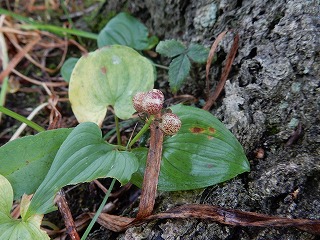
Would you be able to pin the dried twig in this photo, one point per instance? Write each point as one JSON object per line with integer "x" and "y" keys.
{"x": 66, "y": 214}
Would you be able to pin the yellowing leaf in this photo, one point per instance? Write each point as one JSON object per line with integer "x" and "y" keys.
{"x": 6, "y": 196}
{"x": 108, "y": 76}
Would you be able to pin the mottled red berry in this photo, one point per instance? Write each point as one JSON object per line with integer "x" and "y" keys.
{"x": 153, "y": 101}
{"x": 137, "y": 101}
{"x": 170, "y": 123}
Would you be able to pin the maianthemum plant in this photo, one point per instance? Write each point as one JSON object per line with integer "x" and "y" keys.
{"x": 202, "y": 153}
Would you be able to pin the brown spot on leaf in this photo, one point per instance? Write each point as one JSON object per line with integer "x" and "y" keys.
{"x": 211, "y": 130}
{"x": 104, "y": 70}
{"x": 196, "y": 130}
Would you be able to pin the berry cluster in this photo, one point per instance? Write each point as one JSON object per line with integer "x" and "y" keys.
{"x": 151, "y": 102}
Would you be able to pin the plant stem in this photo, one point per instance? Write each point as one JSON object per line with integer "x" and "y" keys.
{"x": 160, "y": 66}
{"x": 116, "y": 120}
{"x": 21, "y": 119}
{"x": 67, "y": 216}
{"x": 65, "y": 10}
{"x": 141, "y": 132}
{"x": 94, "y": 219}
{"x": 122, "y": 124}
{"x": 151, "y": 173}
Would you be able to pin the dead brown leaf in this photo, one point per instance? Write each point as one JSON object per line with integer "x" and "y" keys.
{"x": 210, "y": 58}
{"x": 226, "y": 70}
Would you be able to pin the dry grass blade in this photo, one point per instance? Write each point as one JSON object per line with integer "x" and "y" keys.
{"x": 47, "y": 41}
{"x": 210, "y": 58}
{"x": 231, "y": 55}
{"x": 55, "y": 115}
{"x": 30, "y": 117}
{"x": 11, "y": 29}
{"x": 49, "y": 84}
{"x": 61, "y": 44}
{"x": 18, "y": 57}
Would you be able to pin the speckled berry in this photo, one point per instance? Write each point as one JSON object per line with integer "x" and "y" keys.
{"x": 137, "y": 101}
{"x": 152, "y": 102}
{"x": 170, "y": 123}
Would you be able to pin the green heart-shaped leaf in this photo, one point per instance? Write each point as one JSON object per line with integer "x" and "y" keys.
{"x": 83, "y": 156}
{"x": 108, "y": 76}
{"x": 203, "y": 153}
{"x": 26, "y": 161}
{"x": 12, "y": 229}
{"x": 67, "y": 68}
{"x": 124, "y": 29}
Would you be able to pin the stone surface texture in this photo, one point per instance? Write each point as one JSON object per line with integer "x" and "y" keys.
{"x": 273, "y": 89}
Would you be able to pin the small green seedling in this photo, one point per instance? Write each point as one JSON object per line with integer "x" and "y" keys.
{"x": 126, "y": 30}
{"x": 180, "y": 65}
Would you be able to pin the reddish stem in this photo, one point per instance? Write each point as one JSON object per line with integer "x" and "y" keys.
{"x": 150, "y": 180}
